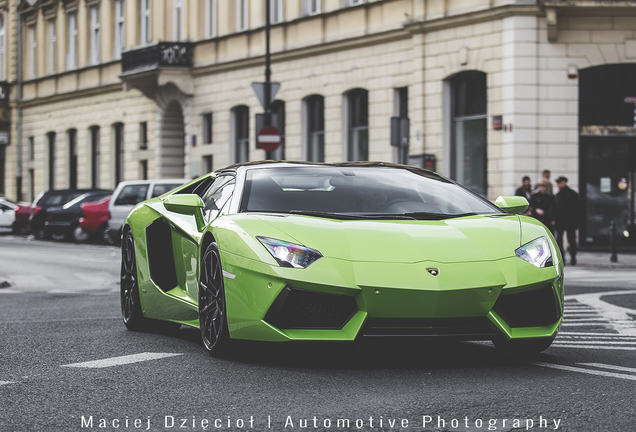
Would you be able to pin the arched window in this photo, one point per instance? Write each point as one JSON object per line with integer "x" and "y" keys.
{"x": 72, "y": 158}
{"x": 468, "y": 153}
{"x": 95, "y": 161}
{"x": 241, "y": 131}
{"x": 315, "y": 128}
{"x": 357, "y": 113}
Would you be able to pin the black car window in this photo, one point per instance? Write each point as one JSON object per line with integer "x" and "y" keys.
{"x": 132, "y": 194}
{"x": 217, "y": 196}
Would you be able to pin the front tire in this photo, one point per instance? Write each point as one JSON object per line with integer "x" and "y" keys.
{"x": 129, "y": 284}
{"x": 212, "y": 306}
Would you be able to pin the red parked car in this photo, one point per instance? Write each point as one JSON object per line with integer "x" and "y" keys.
{"x": 94, "y": 220}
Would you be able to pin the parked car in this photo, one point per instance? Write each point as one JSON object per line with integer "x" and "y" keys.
{"x": 129, "y": 193}
{"x": 14, "y": 215}
{"x": 94, "y": 220}
{"x": 47, "y": 199}
{"x": 64, "y": 220}
{"x": 277, "y": 251}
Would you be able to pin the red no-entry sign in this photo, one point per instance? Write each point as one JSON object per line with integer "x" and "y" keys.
{"x": 268, "y": 138}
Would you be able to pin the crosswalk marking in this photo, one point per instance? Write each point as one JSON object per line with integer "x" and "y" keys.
{"x": 590, "y": 371}
{"x": 122, "y": 360}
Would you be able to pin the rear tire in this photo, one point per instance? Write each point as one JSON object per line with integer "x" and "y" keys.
{"x": 212, "y": 306}
{"x": 129, "y": 284}
{"x": 104, "y": 235}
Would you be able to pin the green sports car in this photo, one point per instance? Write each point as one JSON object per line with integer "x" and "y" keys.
{"x": 285, "y": 251}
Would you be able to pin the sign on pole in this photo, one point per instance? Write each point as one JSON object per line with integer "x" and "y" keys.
{"x": 268, "y": 138}
{"x": 259, "y": 89}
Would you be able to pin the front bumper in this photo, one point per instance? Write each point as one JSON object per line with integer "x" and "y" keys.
{"x": 473, "y": 301}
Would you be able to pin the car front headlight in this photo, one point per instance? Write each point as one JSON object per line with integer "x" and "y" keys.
{"x": 290, "y": 254}
{"x": 537, "y": 252}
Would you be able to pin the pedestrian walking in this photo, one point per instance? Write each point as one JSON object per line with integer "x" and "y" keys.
{"x": 525, "y": 190}
{"x": 542, "y": 205}
{"x": 567, "y": 217}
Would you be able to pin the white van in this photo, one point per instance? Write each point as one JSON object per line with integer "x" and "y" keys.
{"x": 129, "y": 193}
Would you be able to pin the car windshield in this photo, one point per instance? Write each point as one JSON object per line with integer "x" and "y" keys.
{"x": 346, "y": 192}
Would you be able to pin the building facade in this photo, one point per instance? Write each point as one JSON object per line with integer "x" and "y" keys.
{"x": 482, "y": 91}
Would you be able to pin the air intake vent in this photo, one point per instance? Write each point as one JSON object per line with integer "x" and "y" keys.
{"x": 302, "y": 309}
{"x": 535, "y": 308}
{"x": 457, "y": 328}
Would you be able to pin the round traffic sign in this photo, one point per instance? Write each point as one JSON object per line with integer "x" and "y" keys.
{"x": 268, "y": 138}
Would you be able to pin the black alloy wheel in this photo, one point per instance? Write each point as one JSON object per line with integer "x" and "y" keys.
{"x": 212, "y": 308}
{"x": 130, "y": 302}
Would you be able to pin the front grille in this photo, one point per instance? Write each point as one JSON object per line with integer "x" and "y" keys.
{"x": 534, "y": 308}
{"x": 302, "y": 309}
{"x": 459, "y": 328}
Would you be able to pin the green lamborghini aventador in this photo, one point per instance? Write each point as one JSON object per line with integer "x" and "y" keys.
{"x": 283, "y": 251}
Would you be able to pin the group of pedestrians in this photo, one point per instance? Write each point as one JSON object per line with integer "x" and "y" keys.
{"x": 560, "y": 212}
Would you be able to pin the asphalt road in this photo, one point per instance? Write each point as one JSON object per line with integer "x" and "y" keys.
{"x": 69, "y": 364}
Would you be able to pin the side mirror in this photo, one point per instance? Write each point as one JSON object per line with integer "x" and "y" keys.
{"x": 512, "y": 204}
{"x": 188, "y": 204}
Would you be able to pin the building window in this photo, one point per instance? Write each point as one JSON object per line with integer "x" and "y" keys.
{"x": 143, "y": 135}
{"x": 71, "y": 54}
{"x": 118, "y": 134}
{"x": 241, "y": 15}
{"x": 312, "y": 7}
{"x": 94, "y": 29}
{"x": 2, "y": 41}
{"x": 143, "y": 169}
{"x": 276, "y": 11}
{"x": 278, "y": 121}
{"x": 241, "y": 117}
{"x": 210, "y": 18}
{"x": 51, "y": 144}
{"x": 120, "y": 40}
{"x": 468, "y": 131}
{"x": 95, "y": 159}
{"x": 31, "y": 148}
{"x": 178, "y": 20}
{"x": 207, "y": 163}
{"x": 400, "y": 124}
{"x": 32, "y": 51}
{"x": 206, "y": 120}
{"x": 353, "y": 2}
{"x": 357, "y": 125}
{"x": 72, "y": 158}
{"x": 52, "y": 43}
{"x": 315, "y": 126}
{"x": 145, "y": 33}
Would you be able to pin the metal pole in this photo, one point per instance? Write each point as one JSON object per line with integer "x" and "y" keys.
{"x": 612, "y": 233}
{"x": 268, "y": 72}
{"x": 19, "y": 102}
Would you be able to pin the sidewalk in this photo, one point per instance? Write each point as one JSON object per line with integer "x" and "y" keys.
{"x": 602, "y": 260}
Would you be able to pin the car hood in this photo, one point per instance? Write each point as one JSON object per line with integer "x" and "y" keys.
{"x": 465, "y": 239}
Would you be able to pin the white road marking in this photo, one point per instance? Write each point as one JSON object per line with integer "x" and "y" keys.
{"x": 116, "y": 361}
{"x": 597, "y": 347}
{"x": 611, "y": 367}
{"x": 6, "y": 382}
{"x": 586, "y": 371}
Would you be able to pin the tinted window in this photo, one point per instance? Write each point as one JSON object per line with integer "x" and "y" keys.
{"x": 358, "y": 191}
{"x": 132, "y": 194}
{"x": 218, "y": 196}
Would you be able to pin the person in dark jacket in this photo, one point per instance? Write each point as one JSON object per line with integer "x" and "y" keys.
{"x": 542, "y": 205}
{"x": 567, "y": 216}
{"x": 525, "y": 190}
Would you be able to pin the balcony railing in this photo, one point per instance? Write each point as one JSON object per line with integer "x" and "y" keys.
{"x": 161, "y": 55}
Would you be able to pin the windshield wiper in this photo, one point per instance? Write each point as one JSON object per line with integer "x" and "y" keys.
{"x": 436, "y": 216}
{"x": 349, "y": 216}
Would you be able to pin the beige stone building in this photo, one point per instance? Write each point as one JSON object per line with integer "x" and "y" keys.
{"x": 483, "y": 91}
